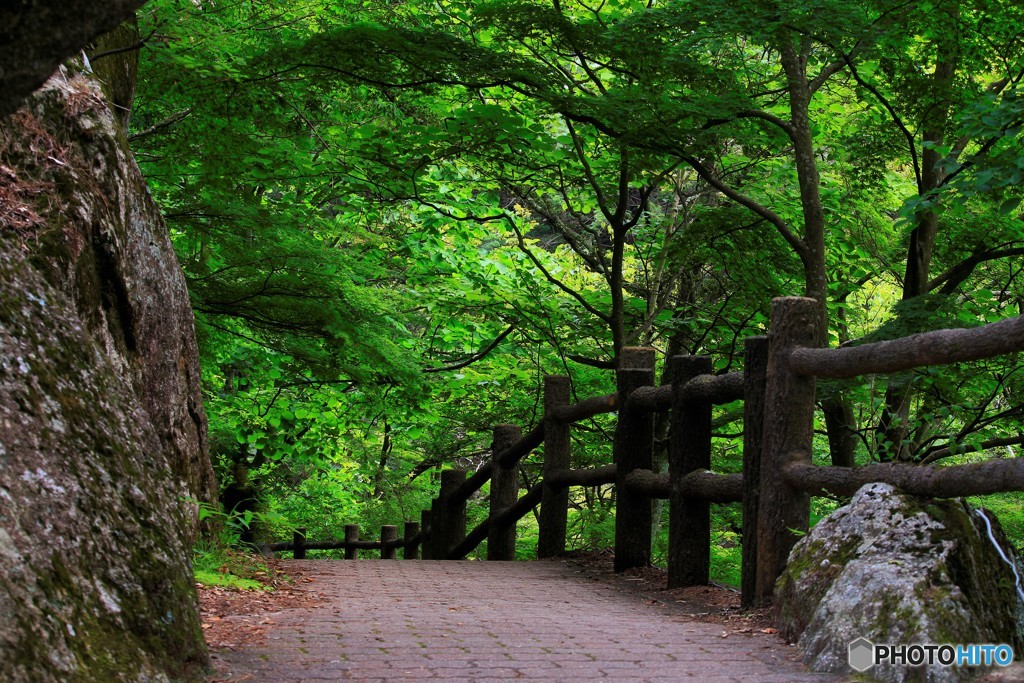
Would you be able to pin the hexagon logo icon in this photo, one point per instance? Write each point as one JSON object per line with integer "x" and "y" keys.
{"x": 861, "y": 655}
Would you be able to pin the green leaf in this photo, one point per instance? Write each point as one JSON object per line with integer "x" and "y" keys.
{"x": 1009, "y": 205}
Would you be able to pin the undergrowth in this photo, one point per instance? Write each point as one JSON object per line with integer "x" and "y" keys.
{"x": 216, "y": 559}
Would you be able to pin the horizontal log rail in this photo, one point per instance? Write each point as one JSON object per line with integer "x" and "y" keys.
{"x": 595, "y": 476}
{"x": 345, "y": 545}
{"x": 702, "y": 484}
{"x": 974, "y": 479}
{"x": 714, "y": 389}
{"x": 648, "y": 483}
{"x": 940, "y": 347}
{"x": 655, "y": 399}
{"x": 587, "y": 408}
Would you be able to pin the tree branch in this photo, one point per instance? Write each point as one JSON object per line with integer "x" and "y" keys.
{"x": 479, "y": 355}
{"x": 166, "y": 123}
{"x": 711, "y": 179}
{"x": 955, "y": 276}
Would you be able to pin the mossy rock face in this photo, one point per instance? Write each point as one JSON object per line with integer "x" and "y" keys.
{"x": 898, "y": 569}
{"x": 102, "y": 430}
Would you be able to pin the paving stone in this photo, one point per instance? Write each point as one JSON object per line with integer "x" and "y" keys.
{"x": 481, "y": 621}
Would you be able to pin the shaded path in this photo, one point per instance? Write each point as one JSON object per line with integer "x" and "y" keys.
{"x": 492, "y": 621}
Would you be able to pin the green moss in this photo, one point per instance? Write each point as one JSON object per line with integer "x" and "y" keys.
{"x": 214, "y": 578}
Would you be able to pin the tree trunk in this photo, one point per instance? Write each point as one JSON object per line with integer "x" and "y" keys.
{"x": 385, "y": 453}
{"x": 894, "y": 427}
{"x": 839, "y": 417}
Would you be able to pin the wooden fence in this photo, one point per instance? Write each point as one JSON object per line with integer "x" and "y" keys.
{"x": 778, "y": 390}
{"x": 388, "y": 544}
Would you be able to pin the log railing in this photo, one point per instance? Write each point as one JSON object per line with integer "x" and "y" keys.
{"x": 389, "y": 542}
{"x": 778, "y": 391}
{"x": 788, "y": 477}
{"x": 689, "y": 485}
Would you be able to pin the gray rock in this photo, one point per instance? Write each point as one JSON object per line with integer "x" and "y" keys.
{"x": 37, "y": 35}
{"x": 898, "y": 569}
{"x": 102, "y": 429}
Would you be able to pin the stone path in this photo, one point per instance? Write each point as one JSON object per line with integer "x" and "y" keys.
{"x": 491, "y": 621}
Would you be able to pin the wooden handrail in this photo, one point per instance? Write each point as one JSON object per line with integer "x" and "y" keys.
{"x": 651, "y": 398}
{"x": 714, "y": 389}
{"x": 587, "y": 408}
{"x": 342, "y": 545}
{"x": 702, "y": 484}
{"x": 940, "y": 347}
{"x": 594, "y": 476}
{"x": 974, "y": 479}
{"x": 778, "y": 389}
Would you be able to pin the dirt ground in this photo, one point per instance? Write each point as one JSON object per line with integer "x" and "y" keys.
{"x": 232, "y": 618}
{"x": 711, "y": 604}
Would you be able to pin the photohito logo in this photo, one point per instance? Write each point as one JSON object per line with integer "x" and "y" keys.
{"x": 863, "y": 654}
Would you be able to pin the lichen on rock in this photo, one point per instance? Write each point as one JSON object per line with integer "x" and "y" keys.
{"x": 898, "y": 569}
{"x": 102, "y": 429}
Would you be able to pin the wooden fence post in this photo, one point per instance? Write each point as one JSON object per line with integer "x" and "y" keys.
{"x": 634, "y": 439}
{"x": 554, "y": 505}
{"x": 411, "y": 549}
{"x": 788, "y": 430}
{"x": 689, "y": 449}
{"x": 436, "y": 528}
{"x": 453, "y": 522}
{"x": 299, "y": 543}
{"x": 427, "y": 534}
{"x": 351, "y": 536}
{"x": 388, "y": 534}
{"x": 755, "y": 366}
{"x": 501, "y": 543}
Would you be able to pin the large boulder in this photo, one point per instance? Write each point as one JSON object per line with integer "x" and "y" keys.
{"x": 898, "y": 569}
{"x": 102, "y": 429}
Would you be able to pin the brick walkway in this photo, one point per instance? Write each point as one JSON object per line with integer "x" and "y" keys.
{"x": 491, "y": 621}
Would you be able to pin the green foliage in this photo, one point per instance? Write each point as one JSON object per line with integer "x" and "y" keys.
{"x": 215, "y": 558}
{"x": 396, "y": 218}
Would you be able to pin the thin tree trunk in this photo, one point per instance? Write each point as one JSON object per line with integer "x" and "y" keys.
{"x": 385, "y": 454}
{"x": 839, "y": 417}
{"x": 894, "y": 427}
